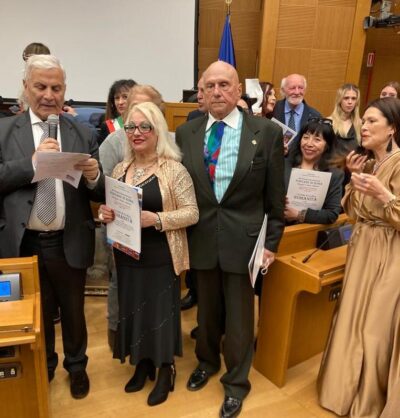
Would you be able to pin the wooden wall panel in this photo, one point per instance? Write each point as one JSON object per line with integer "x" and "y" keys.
{"x": 327, "y": 69}
{"x": 246, "y": 18}
{"x": 313, "y": 38}
{"x": 333, "y": 28}
{"x": 294, "y": 27}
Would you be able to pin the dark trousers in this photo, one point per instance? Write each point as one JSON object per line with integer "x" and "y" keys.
{"x": 63, "y": 286}
{"x": 218, "y": 290}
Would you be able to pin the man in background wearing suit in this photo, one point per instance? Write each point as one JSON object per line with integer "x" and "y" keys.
{"x": 50, "y": 218}
{"x": 190, "y": 299}
{"x": 293, "y": 110}
{"x": 236, "y": 163}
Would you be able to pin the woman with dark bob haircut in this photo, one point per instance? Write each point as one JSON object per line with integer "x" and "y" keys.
{"x": 313, "y": 152}
{"x": 360, "y": 368}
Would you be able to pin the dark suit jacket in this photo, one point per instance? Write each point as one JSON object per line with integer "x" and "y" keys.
{"x": 194, "y": 114}
{"x": 331, "y": 207}
{"x": 227, "y": 231}
{"x": 308, "y": 112}
{"x": 17, "y": 193}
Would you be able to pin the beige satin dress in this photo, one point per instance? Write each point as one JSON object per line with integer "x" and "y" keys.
{"x": 361, "y": 363}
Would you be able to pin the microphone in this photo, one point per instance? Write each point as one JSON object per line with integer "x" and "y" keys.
{"x": 307, "y": 257}
{"x": 52, "y": 120}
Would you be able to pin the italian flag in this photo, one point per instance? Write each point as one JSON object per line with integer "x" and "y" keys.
{"x": 114, "y": 124}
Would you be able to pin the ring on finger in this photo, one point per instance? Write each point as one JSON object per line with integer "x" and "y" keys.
{"x": 101, "y": 217}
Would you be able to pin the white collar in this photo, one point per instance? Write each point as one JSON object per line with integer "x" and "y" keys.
{"x": 231, "y": 120}
{"x": 34, "y": 119}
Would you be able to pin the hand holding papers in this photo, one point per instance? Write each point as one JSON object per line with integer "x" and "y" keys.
{"x": 256, "y": 259}
{"x": 308, "y": 188}
{"x": 59, "y": 165}
{"x": 124, "y": 232}
{"x": 288, "y": 134}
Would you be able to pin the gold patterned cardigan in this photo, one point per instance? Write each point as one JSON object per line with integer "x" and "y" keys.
{"x": 179, "y": 206}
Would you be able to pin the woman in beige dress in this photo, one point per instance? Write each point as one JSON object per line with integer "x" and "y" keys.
{"x": 361, "y": 364}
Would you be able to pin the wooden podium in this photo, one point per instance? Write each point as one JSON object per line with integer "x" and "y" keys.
{"x": 298, "y": 300}
{"x": 23, "y": 370}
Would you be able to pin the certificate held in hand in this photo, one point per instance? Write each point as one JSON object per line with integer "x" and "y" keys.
{"x": 124, "y": 232}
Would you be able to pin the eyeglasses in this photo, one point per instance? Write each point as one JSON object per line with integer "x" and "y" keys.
{"x": 143, "y": 128}
{"x": 322, "y": 121}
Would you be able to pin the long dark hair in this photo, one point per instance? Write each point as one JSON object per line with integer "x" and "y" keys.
{"x": 316, "y": 126}
{"x": 390, "y": 109}
{"x": 266, "y": 87}
{"x": 117, "y": 87}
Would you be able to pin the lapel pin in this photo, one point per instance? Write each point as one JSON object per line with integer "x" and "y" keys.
{"x": 254, "y": 142}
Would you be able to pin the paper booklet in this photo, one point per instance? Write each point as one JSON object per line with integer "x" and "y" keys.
{"x": 288, "y": 133}
{"x": 256, "y": 259}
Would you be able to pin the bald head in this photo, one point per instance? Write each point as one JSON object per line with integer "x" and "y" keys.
{"x": 293, "y": 88}
{"x": 200, "y": 95}
{"x": 222, "y": 89}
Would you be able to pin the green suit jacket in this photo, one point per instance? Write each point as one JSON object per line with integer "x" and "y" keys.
{"x": 227, "y": 231}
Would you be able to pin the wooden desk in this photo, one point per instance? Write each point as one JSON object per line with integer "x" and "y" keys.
{"x": 26, "y": 395}
{"x": 176, "y": 113}
{"x": 297, "y": 302}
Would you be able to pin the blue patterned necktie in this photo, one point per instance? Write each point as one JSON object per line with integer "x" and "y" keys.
{"x": 291, "y": 123}
{"x": 212, "y": 149}
{"x": 46, "y": 191}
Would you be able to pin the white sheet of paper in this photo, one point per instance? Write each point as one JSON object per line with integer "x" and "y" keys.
{"x": 308, "y": 188}
{"x": 254, "y": 90}
{"x": 125, "y": 230}
{"x": 288, "y": 133}
{"x": 59, "y": 165}
{"x": 256, "y": 259}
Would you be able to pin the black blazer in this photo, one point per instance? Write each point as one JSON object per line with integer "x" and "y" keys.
{"x": 17, "y": 193}
{"x": 331, "y": 207}
{"x": 227, "y": 231}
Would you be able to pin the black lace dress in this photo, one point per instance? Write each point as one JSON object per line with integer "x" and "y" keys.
{"x": 148, "y": 295}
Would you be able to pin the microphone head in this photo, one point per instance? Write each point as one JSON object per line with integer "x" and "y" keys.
{"x": 52, "y": 119}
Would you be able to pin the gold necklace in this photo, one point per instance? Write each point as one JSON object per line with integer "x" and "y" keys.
{"x": 140, "y": 172}
{"x": 379, "y": 163}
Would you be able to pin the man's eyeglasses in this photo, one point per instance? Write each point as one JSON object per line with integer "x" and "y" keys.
{"x": 322, "y": 121}
{"x": 143, "y": 128}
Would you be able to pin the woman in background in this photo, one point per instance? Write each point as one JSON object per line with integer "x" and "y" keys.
{"x": 346, "y": 120}
{"x": 390, "y": 89}
{"x": 117, "y": 103}
{"x": 361, "y": 363}
{"x": 269, "y": 99}
{"x": 149, "y": 328}
{"x": 313, "y": 152}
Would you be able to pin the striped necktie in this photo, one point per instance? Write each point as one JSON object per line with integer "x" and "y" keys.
{"x": 212, "y": 149}
{"x": 46, "y": 191}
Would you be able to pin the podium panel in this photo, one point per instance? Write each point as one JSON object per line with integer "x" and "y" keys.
{"x": 297, "y": 303}
{"x": 23, "y": 370}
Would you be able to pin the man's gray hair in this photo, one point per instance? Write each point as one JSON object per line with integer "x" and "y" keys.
{"x": 284, "y": 80}
{"x": 44, "y": 62}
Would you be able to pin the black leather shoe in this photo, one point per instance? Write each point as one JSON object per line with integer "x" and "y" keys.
{"x": 144, "y": 368}
{"x": 188, "y": 301}
{"x": 231, "y": 407}
{"x": 165, "y": 384}
{"x": 79, "y": 384}
{"x": 197, "y": 380}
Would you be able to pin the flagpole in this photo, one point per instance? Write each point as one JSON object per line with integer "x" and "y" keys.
{"x": 228, "y": 3}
